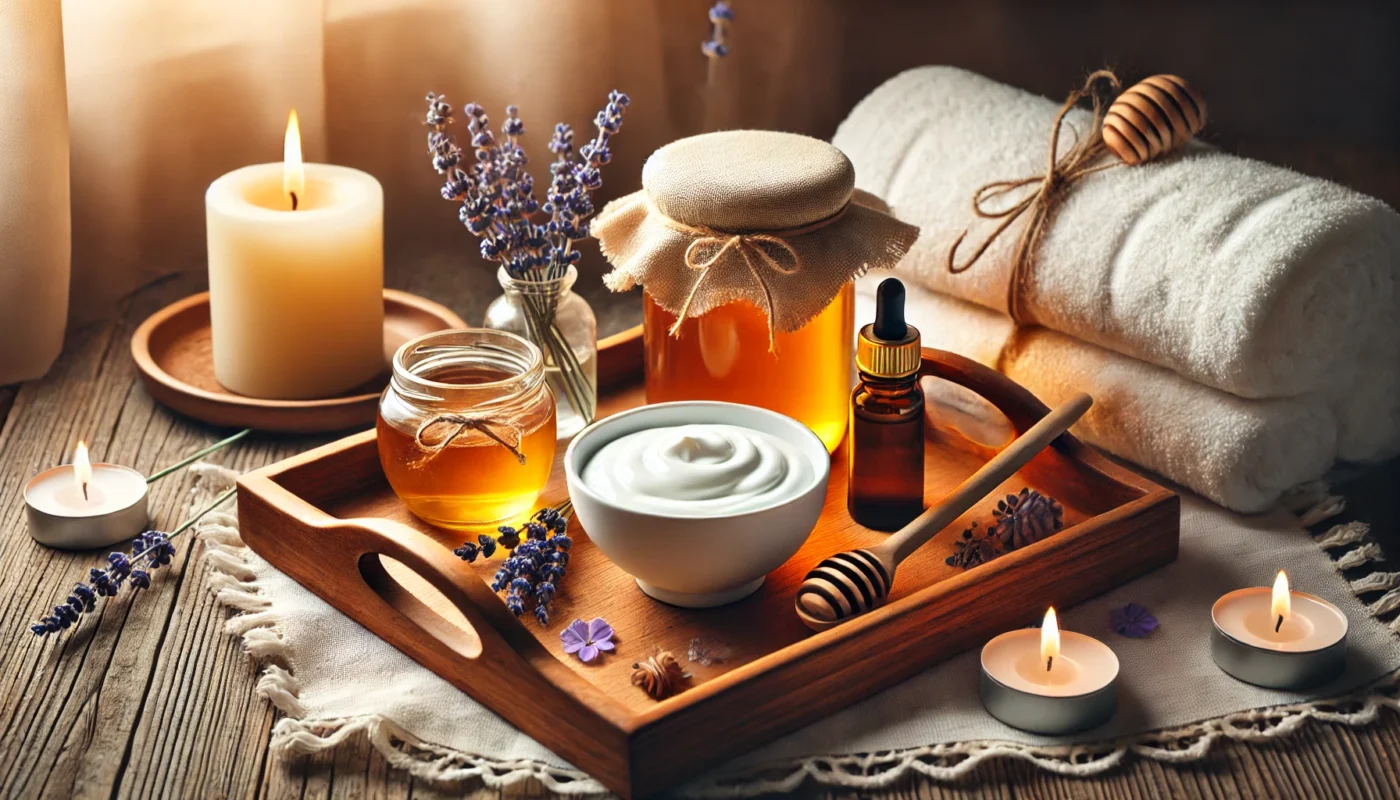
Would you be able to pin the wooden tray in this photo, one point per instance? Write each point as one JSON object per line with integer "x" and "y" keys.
{"x": 329, "y": 519}
{"x": 175, "y": 357}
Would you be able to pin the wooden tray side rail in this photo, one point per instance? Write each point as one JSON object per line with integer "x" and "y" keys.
{"x": 639, "y": 751}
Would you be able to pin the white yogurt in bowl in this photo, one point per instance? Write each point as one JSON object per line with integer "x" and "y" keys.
{"x": 697, "y": 500}
{"x": 698, "y": 470}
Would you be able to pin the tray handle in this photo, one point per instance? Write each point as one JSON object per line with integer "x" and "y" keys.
{"x": 1021, "y": 408}
{"x": 340, "y": 560}
{"x": 496, "y": 660}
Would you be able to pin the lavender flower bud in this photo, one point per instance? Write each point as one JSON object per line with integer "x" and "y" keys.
{"x": 542, "y": 614}
{"x": 721, "y": 12}
{"x": 140, "y": 579}
{"x": 515, "y": 604}
{"x": 467, "y": 552}
{"x": 501, "y": 580}
{"x": 488, "y": 545}
{"x": 544, "y": 592}
{"x": 713, "y": 49}
{"x": 514, "y": 125}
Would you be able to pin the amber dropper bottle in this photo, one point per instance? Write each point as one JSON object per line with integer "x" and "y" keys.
{"x": 885, "y": 490}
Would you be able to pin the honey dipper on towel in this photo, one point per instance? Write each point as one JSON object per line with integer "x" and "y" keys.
{"x": 851, "y": 583}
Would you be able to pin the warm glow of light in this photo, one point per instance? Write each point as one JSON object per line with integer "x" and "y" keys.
{"x": 293, "y": 174}
{"x": 1283, "y": 602}
{"x": 1049, "y": 637}
{"x": 82, "y": 467}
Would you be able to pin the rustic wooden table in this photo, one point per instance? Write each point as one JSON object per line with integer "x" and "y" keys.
{"x": 152, "y": 698}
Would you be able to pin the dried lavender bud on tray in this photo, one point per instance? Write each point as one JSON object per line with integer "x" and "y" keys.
{"x": 1018, "y": 520}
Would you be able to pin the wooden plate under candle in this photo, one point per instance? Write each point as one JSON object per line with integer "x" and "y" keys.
{"x": 174, "y": 353}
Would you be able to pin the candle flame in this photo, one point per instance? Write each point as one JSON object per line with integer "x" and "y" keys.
{"x": 82, "y": 468}
{"x": 1049, "y": 638}
{"x": 293, "y": 174}
{"x": 1283, "y": 602}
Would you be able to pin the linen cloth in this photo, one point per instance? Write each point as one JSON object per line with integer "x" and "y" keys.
{"x": 1241, "y": 453}
{"x": 1239, "y": 275}
{"x": 335, "y": 680}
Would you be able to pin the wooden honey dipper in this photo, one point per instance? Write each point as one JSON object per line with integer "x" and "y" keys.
{"x": 849, "y": 584}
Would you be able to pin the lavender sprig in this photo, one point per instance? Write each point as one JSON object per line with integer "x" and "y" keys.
{"x": 538, "y": 560}
{"x": 150, "y": 551}
{"x": 497, "y": 205}
{"x": 496, "y": 193}
{"x": 717, "y": 46}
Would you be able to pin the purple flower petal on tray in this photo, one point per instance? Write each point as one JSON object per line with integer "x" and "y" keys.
{"x": 587, "y": 639}
{"x": 1133, "y": 621}
{"x": 599, "y": 630}
{"x": 575, "y": 636}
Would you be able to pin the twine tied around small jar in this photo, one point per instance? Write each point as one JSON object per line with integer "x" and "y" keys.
{"x": 490, "y": 428}
{"x": 752, "y": 246}
{"x": 1061, "y": 173}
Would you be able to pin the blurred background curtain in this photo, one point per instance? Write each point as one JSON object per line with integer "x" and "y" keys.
{"x": 166, "y": 95}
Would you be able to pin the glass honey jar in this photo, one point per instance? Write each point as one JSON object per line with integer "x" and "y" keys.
{"x": 466, "y": 428}
{"x": 746, "y": 244}
{"x": 725, "y": 355}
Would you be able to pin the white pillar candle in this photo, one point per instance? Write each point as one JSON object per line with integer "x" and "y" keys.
{"x": 1277, "y": 637}
{"x": 1049, "y": 681}
{"x": 296, "y": 296}
{"x": 85, "y": 505}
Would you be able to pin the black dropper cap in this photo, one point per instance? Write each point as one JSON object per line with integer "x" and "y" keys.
{"x": 889, "y": 311}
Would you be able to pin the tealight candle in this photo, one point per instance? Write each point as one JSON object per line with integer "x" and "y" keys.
{"x": 1049, "y": 681}
{"x": 1278, "y": 638}
{"x": 296, "y": 277}
{"x": 85, "y": 505}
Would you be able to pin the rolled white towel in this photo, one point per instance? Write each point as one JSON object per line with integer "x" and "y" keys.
{"x": 1240, "y": 275}
{"x": 1242, "y": 454}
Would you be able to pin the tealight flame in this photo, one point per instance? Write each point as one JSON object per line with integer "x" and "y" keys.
{"x": 1283, "y": 601}
{"x": 82, "y": 468}
{"x": 293, "y": 174}
{"x": 1049, "y": 638}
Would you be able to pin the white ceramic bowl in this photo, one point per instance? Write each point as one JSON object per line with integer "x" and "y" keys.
{"x": 698, "y": 562}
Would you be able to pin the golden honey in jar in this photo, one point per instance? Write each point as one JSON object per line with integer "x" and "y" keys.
{"x": 466, "y": 429}
{"x": 746, "y": 244}
{"x": 725, "y": 354}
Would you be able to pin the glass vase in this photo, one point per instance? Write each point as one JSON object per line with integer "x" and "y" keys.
{"x": 562, "y": 325}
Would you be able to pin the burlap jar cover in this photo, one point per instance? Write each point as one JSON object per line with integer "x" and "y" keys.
{"x": 766, "y": 217}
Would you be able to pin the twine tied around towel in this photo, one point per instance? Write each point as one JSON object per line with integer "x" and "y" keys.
{"x": 711, "y": 244}
{"x": 1077, "y": 163}
{"x": 660, "y": 676}
{"x": 506, "y": 434}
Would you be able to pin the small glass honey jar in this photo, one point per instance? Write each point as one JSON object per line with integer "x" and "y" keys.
{"x": 466, "y": 428}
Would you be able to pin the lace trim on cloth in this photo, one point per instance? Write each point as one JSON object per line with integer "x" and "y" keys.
{"x": 236, "y": 587}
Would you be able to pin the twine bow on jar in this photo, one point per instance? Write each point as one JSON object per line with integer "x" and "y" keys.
{"x": 506, "y": 434}
{"x": 753, "y": 247}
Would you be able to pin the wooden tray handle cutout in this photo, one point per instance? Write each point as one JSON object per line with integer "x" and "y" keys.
{"x": 457, "y": 634}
